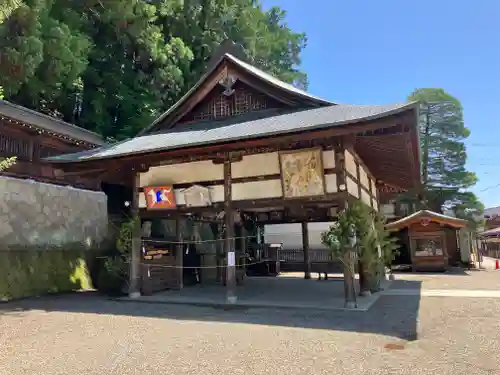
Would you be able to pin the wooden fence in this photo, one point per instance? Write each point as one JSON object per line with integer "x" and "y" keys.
{"x": 293, "y": 259}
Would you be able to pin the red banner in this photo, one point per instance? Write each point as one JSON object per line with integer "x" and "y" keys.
{"x": 160, "y": 197}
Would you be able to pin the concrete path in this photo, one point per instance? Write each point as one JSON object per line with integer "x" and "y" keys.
{"x": 488, "y": 263}
{"x": 444, "y": 293}
{"x": 267, "y": 292}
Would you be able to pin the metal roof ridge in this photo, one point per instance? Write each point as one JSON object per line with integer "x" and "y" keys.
{"x": 282, "y": 84}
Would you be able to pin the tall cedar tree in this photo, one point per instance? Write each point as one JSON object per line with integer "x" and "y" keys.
{"x": 444, "y": 176}
{"x": 113, "y": 66}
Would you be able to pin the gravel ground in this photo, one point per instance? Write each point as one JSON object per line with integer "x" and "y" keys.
{"x": 455, "y": 279}
{"x": 87, "y": 334}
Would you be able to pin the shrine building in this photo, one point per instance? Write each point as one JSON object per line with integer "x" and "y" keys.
{"x": 242, "y": 146}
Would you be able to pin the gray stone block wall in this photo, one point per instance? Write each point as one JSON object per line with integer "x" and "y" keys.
{"x": 34, "y": 213}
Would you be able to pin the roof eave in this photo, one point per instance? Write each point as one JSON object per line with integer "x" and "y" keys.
{"x": 14, "y": 112}
{"x": 401, "y": 223}
{"x": 237, "y": 139}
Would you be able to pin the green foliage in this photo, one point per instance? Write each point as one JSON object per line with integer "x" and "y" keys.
{"x": 114, "y": 275}
{"x": 7, "y": 7}
{"x": 7, "y": 163}
{"x": 369, "y": 230}
{"x": 114, "y": 66}
{"x": 33, "y": 271}
{"x": 444, "y": 176}
{"x": 339, "y": 237}
{"x": 388, "y": 244}
{"x": 125, "y": 236}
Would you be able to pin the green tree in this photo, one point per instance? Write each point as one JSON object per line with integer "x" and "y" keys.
{"x": 445, "y": 180}
{"x": 113, "y": 66}
{"x": 360, "y": 231}
{"x": 6, "y": 162}
{"x": 6, "y": 9}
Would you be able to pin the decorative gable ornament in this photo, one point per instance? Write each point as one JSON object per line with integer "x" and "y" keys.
{"x": 425, "y": 221}
{"x": 228, "y": 83}
{"x": 197, "y": 196}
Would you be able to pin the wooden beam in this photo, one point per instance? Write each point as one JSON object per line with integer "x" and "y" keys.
{"x": 179, "y": 254}
{"x": 305, "y": 248}
{"x": 229, "y": 235}
{"x": 358, "y": 178}
{"x": 135, "y": 261}
{"x": 341, "y": 171}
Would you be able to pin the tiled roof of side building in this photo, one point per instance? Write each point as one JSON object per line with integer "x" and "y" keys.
{"x": 48, "y": 123}
{"x": 201, "y": 134}
{"x": 426, "y": 213}
{"x": 492, "y": 212}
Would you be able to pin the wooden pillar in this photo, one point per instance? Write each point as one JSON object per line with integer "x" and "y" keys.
{"x": 135, "y": 256}
{"x": 179, "y": 253}
{"x": 340, "y": 166}
{"x": 305, "y": 247}
{"x": 229, "y": 235}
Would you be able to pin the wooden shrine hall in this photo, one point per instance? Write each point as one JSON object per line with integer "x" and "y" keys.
{"x": 242, "y": 145}
{"x": 31, "y": 136}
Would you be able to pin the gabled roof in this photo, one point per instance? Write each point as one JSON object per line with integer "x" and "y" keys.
{"x": 426, "y": 214}
{"x": 209, "y": 133}
{"x": 48, "y": 123}
{"x": 494, "y": 232}
{"x": 492, "y": 212}
{"x": 257, "y": 73}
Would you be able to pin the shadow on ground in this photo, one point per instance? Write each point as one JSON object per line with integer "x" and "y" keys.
{"x": 394, "y": 316}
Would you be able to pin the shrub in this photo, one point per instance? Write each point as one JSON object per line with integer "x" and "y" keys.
{"x": 113, "y": 276}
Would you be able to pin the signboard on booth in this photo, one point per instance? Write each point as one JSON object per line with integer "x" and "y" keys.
{"x": 160, "y": 197}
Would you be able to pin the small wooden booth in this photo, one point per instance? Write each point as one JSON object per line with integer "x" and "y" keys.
{"x": 243, "y": 146}
{"x": 432, "y": 239}
{"x": 490, "y": 242}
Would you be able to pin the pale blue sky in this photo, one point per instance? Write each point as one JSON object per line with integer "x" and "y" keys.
{"x": 374, "y": 52}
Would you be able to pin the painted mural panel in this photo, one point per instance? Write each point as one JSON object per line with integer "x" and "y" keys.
{"x": 302, "y": 173}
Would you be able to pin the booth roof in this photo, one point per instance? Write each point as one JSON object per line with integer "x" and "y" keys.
{"x": 401, "y": 223}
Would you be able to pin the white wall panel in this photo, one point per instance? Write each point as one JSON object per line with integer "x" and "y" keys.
{"x": 328, "y": 159}
{"x": 331, "y": 183}
{"x": 352, "y": 187}
{"x": 257, "y": 190}
{"x": 256, "y": 165}
{"x": 182, "y": 173}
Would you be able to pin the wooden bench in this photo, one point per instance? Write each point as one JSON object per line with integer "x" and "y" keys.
{"x": 325, "y": 268}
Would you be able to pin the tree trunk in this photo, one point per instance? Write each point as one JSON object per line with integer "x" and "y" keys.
{"x": 364, "y": 279}
{"x": 425, "y": 134}
{"x": 349, "y": 287}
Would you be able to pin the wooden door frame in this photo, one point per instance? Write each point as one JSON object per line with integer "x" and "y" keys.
{"x": 429, "y": 235}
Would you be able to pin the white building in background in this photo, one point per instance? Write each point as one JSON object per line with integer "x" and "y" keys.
{"x": 290, "y": 235}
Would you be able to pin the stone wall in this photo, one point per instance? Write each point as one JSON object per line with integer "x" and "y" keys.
{"x": 39, "y": 214}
